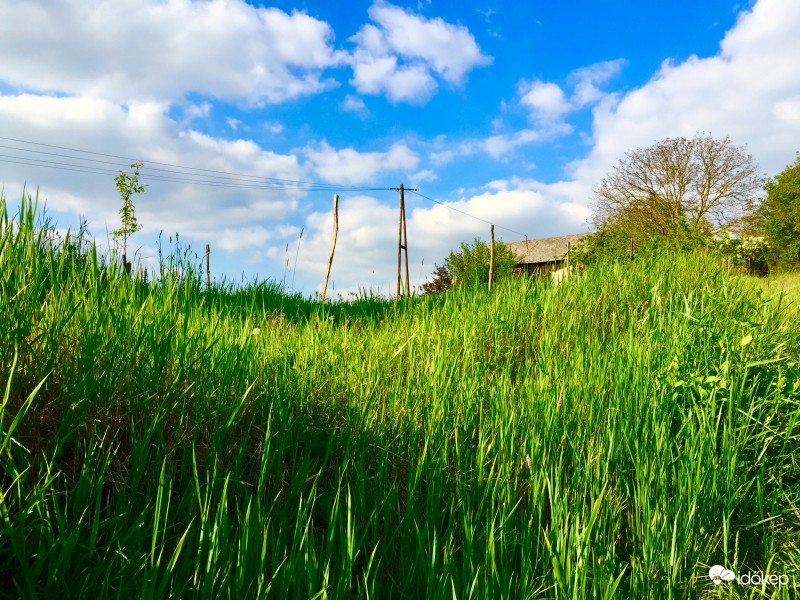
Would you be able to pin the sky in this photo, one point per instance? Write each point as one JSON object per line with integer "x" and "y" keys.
{"x": 250, "y": 116}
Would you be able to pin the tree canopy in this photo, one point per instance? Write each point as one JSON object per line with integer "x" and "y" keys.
{"x": 677, "y": 186}
{"x": 780, "y": 212}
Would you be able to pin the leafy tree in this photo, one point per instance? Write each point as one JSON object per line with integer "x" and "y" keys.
{"x": 127, "y": 186}
{"x": 469, "y": 267}
{"x": 607, "y": 243}
{"x": 677, "y": 187}
{"x": 441, "y": 282}
{"x": 780, "y": 212}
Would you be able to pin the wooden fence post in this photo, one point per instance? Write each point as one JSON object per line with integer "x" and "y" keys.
{"x": 208, "y": 267}
{"x": 491, "y": 259}
{"x": 333, "y": 245}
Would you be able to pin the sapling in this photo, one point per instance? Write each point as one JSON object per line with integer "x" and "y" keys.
{"x": 127, "y": 186}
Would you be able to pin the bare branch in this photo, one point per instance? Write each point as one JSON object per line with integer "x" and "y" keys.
{"x": 675, "y": 182}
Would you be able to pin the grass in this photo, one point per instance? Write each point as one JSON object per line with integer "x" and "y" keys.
{"x": 786, "y": 284}
{"x": 613, "y": 436}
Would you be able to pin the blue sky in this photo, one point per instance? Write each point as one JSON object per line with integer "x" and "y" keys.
{"x": 508, "y": 111}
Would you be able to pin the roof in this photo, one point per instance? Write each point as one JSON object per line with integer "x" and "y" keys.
{"x": 544, "y": 250}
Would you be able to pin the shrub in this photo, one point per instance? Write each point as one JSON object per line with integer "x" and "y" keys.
{"x": 469, "y": 266}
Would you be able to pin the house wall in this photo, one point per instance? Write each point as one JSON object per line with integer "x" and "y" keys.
{"x": 538, "y": 268}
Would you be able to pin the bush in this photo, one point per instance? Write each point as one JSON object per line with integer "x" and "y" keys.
{"x": 469, "y": 267}
{"x": 749, "y": 252}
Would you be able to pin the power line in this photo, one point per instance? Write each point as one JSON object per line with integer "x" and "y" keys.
{"x": 187, "y": 175}
{"x": 90, "y": 169}
{"x": 463, "y": 212}
{"x": 239, "y": 179}
{"x": 267, "y": 182}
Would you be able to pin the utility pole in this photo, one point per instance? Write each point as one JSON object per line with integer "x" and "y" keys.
{"x": 402, "y": 243}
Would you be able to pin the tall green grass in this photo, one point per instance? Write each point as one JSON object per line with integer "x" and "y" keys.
{"x": 613, "y": 436}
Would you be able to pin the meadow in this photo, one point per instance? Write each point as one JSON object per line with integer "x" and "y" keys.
{"x": 613, "y": 436}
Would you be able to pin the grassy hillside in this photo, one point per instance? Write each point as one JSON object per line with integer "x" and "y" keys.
{"x": 612, "y": 436}
{"x": 785, "y": 284}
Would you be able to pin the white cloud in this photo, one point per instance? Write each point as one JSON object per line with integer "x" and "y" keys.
{"x": 348, "y": 166}
{"x": 242, "y": 237}
{"x": 450, "y": 50}
{"x": 500, "y": 145}
{"x": 443, "y": 157}
{"x": 549, "y": 104}
{"x": 588, "y": 79}
{"x": 547, "y": 100}
{"x": 750, "y": 90}
{"x": 548, "y": 107}
{"x": 788, "y": 110}
{"x": 354, "y": 104}
{"x": 141, "y": 131}
{"x": 272, "y": 127}
{"x": 422, "y": 176}
{"x": 401, "y": 55}
{"x": 162, "y": 50}
{"x": 196, "y": 111}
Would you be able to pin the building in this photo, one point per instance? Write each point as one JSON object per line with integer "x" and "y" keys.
{"x": 544, "y": 254}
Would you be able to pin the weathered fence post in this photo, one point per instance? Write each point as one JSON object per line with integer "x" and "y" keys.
{"x": 208, "y": 267}
{"x": 491, "y": 259}
{"x": 333, "y": 245}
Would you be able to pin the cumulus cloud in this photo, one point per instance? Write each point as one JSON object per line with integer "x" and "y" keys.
{"x": 161, "y": 50}
{"x": 349, "y": 166}
{"x": 548, "y": 107}
{"x": 423, "y": 176}
{"x": 354, "y": 104}
{"x": 548, "y": 103}
{"x": 546, "y": 100}
{"x": 139, "y": 131}
{"x": 587, "y": 82}
{"x": 402, "y": 52}
{"x": 749, "y": 90}
{"x": 242, "y": 237}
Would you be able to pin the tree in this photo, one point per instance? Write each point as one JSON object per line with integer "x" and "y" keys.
{"x": 780, "y": 212}
{"x": 441, "y": 282}
{"x": 127, "y": 186}
{"x": 607, "y": 243}
{"x": 677, "y": 186}
{"x": 470, "y": 266}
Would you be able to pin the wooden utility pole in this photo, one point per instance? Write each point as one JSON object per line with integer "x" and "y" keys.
{"x": 491, "y": 259}
{"x": 402, "y": 243}
{"x": 208, "y": 267}
{"x": 333, "y": 244}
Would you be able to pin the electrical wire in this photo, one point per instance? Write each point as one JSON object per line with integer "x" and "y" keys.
{"x": 187, "y": 175}
{"x": 463, "y": 212}
{"x": 167, "y": 179}
{"x": 210, "y": 175}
